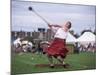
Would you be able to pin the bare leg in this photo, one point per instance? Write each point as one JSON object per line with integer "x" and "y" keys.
{"x": 51, "y": 61}
{"x": 61, "y": 60}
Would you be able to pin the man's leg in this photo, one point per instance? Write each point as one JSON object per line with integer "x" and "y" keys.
{"x": 51, "y": 61}
{"x": 61, "y": 60}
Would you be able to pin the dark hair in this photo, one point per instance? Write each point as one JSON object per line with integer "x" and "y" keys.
{"x": 69, "y": 24}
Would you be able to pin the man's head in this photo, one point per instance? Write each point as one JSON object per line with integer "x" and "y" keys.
{"x": 67, "y": 25}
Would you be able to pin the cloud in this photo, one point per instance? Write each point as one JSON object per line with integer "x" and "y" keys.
{"x": 81, "y": 16}
{"x": 54, "y": 18}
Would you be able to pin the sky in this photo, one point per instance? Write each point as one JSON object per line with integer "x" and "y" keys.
{"x": 81, "y": 16}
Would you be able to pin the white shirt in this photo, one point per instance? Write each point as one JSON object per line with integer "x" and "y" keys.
{"x": 29, "y": 43}
{"x": 54, "y": 29}
{"x": 25, "y": 42}
{"x": 60, "y": 34}
{"x": 16, "y": 42}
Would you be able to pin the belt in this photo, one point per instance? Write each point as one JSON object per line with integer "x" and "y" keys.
{"x": 59, "y": 39}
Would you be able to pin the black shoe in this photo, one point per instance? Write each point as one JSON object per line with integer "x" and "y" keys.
{"x": 64, "y": 65}
{"x": 51, "y": 66}
{"x": 44, "y": 52}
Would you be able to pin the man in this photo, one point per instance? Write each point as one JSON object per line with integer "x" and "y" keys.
{"x": 18, "y": 45}
{"x": 57, "y": 48}
{"x": 17, "y": 42}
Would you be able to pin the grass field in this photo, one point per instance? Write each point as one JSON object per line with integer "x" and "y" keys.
{"x": 25, "y": 63}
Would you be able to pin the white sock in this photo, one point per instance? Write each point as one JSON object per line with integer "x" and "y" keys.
{"x": 51, "y": 64}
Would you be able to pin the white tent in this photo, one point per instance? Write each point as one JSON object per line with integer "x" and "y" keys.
{"x": 70, "y": 38}
{"x": 86, "y": 37}
{"x": 85, "y": 40}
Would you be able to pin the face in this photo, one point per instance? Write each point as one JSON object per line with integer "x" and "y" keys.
{"x": 66, "y": 26}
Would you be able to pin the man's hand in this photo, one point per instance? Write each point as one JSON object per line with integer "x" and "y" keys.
{"x": 49, "y": 25}
{"x": 54, "y": 26}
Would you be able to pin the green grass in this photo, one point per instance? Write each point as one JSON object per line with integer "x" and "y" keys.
{"x": 24, "y": 63}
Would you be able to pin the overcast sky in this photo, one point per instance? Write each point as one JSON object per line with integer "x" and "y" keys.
{"x": 81, "y": 16}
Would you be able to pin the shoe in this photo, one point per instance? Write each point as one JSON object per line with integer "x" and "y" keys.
{"x": 64, "y": 65}
{"x": 51, "y": 66}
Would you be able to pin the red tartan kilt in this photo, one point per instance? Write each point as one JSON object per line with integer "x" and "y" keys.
{"x": 57, "y": 48}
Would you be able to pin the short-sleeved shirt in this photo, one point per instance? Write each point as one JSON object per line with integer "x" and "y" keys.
{"x": 60, "y": 34}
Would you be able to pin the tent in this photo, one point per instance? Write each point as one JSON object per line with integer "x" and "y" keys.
{"x": 85, "y": 40}
{"x": 86, "y": 37}
{"x": 70, "y": 38}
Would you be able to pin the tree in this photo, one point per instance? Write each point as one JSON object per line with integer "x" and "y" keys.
{"x": 94, "y": 32}
{"x": 76, "y": 35}
{"x": 72, "y": 32}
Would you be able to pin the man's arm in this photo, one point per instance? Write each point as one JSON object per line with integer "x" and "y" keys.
{"x": 58, "y": 26}
{"x": 54, "y": 28}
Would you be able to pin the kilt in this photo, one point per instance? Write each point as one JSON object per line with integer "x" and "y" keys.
{"x": 57, "y": 48}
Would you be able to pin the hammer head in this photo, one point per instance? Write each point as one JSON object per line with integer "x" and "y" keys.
{"x": 30, "y": 8}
